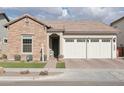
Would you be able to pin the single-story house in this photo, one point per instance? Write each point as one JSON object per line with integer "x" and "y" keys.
{"x": 69, "y": 39}
{"x": 119, "y": 24}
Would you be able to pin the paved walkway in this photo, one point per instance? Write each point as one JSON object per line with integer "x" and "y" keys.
{"x": 95, "y": 64}
{"x": 51, "y": 64}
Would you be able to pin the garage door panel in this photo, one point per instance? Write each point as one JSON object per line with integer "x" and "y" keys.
{"x": 93, "y": 48}
{"x": 106, "y": 48}
{"x": 106, "y": 51}
{"x": 80, "y": 49}
{"x": 68, "y": 50}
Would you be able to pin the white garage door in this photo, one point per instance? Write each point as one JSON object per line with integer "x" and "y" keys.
{"x": 75, "y": 48}
{"x": 87, "y": 48}
{"x": 99, "y": 48}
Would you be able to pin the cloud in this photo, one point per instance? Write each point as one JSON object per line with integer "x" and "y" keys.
{"x": 104, "y": 14}
{"x": 47, "y": 12}
{"x": 113, "y": 16}
{"x": 64, "y": 14}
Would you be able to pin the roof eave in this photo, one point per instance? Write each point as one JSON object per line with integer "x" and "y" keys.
{"x": 116, "y": 21}
{"x": 5, "y": 16}
{"x": 91, "y": 32}
{"x": 55, "y": 30}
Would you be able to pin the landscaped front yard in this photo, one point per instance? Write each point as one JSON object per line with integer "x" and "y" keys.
{"x": 21, "y": 65}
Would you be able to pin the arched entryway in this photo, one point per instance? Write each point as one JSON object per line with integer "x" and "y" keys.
{"x": 54, "y": 44}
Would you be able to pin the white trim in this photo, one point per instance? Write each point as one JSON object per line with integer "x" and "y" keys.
{"x": 89, "y": 36}
{"x": 22, "y": 45}
{"x": 113, "y": 44}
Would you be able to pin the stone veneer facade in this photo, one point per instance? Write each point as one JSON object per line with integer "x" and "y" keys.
{"x": 20, "y": 28}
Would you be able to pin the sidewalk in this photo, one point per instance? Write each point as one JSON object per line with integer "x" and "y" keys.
{"x": 51, "y": 64}
{"x": 97, "y": 75}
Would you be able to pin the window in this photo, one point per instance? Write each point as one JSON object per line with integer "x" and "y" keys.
{"x": 94, "y": 40}
{"x": 87, "y": 40}
{"x": 27, "y": 44}
{"x": 69, "y": 40}
{"x": 5, "y": 40}
{"x": 80, "y": 40}
{"x": 105, "y": 40}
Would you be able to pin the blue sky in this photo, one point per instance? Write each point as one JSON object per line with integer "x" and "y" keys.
{"x": 103, "y": 14}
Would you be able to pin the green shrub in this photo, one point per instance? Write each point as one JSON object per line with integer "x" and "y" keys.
{"x": 4, "y": 56}
{"x": 17, "y": 57}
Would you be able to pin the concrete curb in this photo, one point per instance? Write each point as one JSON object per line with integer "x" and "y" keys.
{"x": 47, "y": 79}
{"x": 56, "y": 70}
{"x": 5, "y": 78}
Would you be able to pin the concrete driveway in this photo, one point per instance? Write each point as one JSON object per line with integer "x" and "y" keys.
{"x": 95, "y": 63}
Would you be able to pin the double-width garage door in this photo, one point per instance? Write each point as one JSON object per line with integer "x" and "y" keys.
{"x": 87, "y": 48}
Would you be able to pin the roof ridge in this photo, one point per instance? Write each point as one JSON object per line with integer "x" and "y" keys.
{"x": 23, "y": 16}
{"x": 3, "y": 13}
{"x": 116, "y": 20}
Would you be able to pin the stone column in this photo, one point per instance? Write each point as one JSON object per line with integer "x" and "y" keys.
{"x": 47, "y": 46}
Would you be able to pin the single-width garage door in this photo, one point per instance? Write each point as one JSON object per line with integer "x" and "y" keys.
{"x": 74, "y": 48}
{"x": 99, "y": 48}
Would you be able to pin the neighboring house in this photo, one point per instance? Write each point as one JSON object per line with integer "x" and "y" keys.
{"x": 3, "y": 32}
{"x": 71, "y": 39}
{"x": 119, "y": 24}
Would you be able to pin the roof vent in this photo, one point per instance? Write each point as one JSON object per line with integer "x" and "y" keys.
{"x": 26, "y": 20}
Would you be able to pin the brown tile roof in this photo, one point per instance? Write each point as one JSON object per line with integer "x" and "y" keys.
{"x": 81, "y": 26}
{"x": 71, "y": 26}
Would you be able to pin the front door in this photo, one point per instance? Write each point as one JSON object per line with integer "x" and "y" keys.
{"x": 55, "y": 46}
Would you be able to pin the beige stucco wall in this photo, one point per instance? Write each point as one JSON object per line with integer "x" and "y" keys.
{"x": 20, "y": 28}
{"x": 120, "y": 37}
